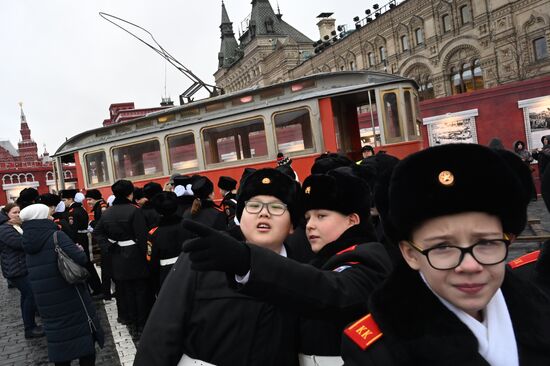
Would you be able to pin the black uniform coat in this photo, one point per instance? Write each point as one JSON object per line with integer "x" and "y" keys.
{"x": 419, "y": 330}
{"x": 60, "y": 219}
{"x": 65, "y": 323}
{"x": 184, "y": 202}
{"x": 124, "y": 221}
{"x": 229, "y": 207}
{"x": 99, "y": 207}
{"x": 78, "y": 219}
{"x": 537, "y": 272}
{"x": 208, "y": 215}
{"x": 151, "y": 215}
{"x": 165, "y": 242}
{"x": 328, "y": 293}
{"x": 198, "y": 314}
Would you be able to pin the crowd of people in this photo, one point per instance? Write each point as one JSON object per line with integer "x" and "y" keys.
{"x": 375, "y": 262}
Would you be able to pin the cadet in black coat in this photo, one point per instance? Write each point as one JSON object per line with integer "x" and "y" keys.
{"x": 453, "y": 210}
{"x": 204, "y": 210}
{"x": 164, "y": 242}
{"x": 228, "y": 205}
{"x": 152, "y": 217}
{"x": 198, "y": 318}
{"x": 334, "y": 288}
{"x": 78, "y": 220}
{"x": 182, "y": 187}
{"x": 123, "y": 233}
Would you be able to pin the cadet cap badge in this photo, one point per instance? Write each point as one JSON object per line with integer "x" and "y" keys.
{"x": 307, "y": 190}
{"x": 446, "y": 178}
{"x": 266, "y": 181}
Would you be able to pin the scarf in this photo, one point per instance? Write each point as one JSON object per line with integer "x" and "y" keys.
{"x": 495, "y": 334}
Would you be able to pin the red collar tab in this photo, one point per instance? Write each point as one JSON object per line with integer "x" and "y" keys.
{"x": 364, "y": 332}
{"x": 525, "y": 259}
{"x": 349, "y": 249}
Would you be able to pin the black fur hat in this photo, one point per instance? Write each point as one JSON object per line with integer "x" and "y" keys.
{"x": 151, "y": 189}
{"x": 27, "y": 197}
{"x": 523, "y": 171}
{"x": 49, "y": 199}
{"x": 94, "y": 194}
{"x": 202, "y": 187}
{"x": 68, "y": 193}
{"x": 338, "y": 190}
{"x": 138, "y": 193}
{"x": 271, "y": 182}
{"x": 122, "y": 188}
{"x": 450, "y": 179}
{"x": 165, "y": 203}
{"x": 329, "y": 161}
{"x": 183, "y": 180}
{"x": 227, "y": 183}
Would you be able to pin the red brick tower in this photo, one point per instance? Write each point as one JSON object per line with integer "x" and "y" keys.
{"x": 28, "y": 150}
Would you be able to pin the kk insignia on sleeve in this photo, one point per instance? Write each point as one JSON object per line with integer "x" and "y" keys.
{"x": 364, "y": 332}
{"x": 525, "y": 259}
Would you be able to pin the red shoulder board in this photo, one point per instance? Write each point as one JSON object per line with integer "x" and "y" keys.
{"x": 364, "y": 332}
{"x": 525, "y": 259}
{"x": 152, "y": 231}
{"x": 350, "y": 249}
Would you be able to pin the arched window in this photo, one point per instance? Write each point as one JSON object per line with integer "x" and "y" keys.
{"x": 478, "y": 75}
{"x": 372, "y": 59}
{"x": 419, "y": 35}
{"x": 446, "y": 23}
{"x": 352, "y": 66}
{"x": 466, "y": 78}
{"x": 465, "y": 14}
{"x": 30, "y": 177}
{"x": 405, "y": 42}
{"x": 382, "y": 54}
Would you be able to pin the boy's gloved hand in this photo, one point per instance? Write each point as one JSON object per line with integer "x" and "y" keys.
{"x": 214, "y": 250}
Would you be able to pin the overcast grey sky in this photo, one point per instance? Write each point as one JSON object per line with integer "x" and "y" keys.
{"x": 67, "y": 64}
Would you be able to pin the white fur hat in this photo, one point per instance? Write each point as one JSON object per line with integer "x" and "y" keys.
{"x": 38, "y": 211}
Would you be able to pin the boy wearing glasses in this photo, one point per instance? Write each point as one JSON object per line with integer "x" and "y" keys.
{"x": 454, "y": 209}
{"x": 198, "y": 320}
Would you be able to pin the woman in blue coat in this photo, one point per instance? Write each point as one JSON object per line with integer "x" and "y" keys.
{"x": 62, "y": 306}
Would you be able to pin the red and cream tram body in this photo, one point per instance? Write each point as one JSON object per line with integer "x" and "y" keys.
{"x": 337, "y": 112}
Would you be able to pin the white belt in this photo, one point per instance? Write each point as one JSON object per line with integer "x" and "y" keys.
{"x": 307, "y": 360}
{"x": 188, "y": 361}
{"x": 83, "y": 231}
{"x": 122, "y": 243}
{"x": 167, "y": 262}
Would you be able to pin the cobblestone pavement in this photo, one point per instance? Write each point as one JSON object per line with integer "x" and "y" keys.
{"x": 120, "y": 341}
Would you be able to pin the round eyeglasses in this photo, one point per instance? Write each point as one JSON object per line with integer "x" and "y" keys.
{"x": 485, "y": 252}
{"x": 274, "y": 208}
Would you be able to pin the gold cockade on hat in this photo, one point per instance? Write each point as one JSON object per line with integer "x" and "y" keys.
{"x": 446, "y": 178}
{"x": 266, "y": 180}
{"x": 307, "y": 190}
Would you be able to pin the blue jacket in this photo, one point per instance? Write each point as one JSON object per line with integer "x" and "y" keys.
{"x": 12, "y": 255}
{"x": 65, "y": 323}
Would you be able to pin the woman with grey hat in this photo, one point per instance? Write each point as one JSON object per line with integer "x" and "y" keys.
{"x": 454, "y": 210}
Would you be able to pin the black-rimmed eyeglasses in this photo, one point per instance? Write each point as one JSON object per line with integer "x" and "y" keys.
{"x": 485, "y": 251}
{"x": 274, "y": 208}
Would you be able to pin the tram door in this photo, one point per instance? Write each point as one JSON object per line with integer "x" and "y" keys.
{"x": 355, "y": 122}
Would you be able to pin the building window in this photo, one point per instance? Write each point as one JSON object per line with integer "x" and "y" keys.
{"x": 467, "y": 78}
{"x": 419, "y": 34}
{"x": 352, "y": 66}
{"x": 382, "y": 54}
{"x": 465, "y": 14}
{"x": 372, "y": 60}
{"x": 96, "y": 167}
{"x": 405, "y": 42}
{"x": 540, "y": 47}
{"x": 293, "y": 131}
{"x": 234, "y": 142}
{"x": 426, "y": 90}
{"x": 182, "y": 152}
{"x": 446, "y": 22}
{"x": 137, "y": 160}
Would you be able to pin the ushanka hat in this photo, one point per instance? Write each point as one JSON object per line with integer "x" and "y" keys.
{"x": 151, "y": 189}
{"x": 451, "y": 179}
{"x": 271, "y": 182}
{"x": 27, "y": 197}
{"x": 338, "y": 190}
{"x": 68, "y": 193}
{"x": 122, "y": 188}
{"x": 93, "y": 194}
{"x": 49, "y": 199}
{"x": 227, "y": 183}
{"x": 165, "y": 203}
{"x": 202, "y": 187}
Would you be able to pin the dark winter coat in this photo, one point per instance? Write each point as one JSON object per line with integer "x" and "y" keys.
{"x": 417, "y": 329}
{"x": 165, "y": 242}
{"x": 60, "y": 219}
{"x": 99, "y": 207}
{"x": 12, "y": 255}
{"x": 198, "y": 314}
{"x": 208, "y": 215}
{"x": 328, "y": 293}
{"x": 65, "y": 323}
{"x": 78, "y": 219}
{"x": 536, "y": 271}
{"x": 184, "y": 203}
{"x": 124, "y": 221}
{"x": 543, "y": 156}
{"x": 151, "y": 215}
{"x": 229, "y": 206}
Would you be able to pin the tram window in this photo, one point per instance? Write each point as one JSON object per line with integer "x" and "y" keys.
{"x": 138, "y": 159}
{"x": 412, "y": 130}
{"x": 391, "y": 117}
{"x": 293, "y": 131}
{"x": 369, "y": 128}
{"x": 215, "y": 107}
{"x": 182, "y": 152}
{"x": 96, "y": 168}
{"x": 236, "y": 141}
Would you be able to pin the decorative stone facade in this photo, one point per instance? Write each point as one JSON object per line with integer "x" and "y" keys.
{"x": 449, "y": 47}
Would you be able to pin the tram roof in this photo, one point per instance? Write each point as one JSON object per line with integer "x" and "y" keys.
{"x": 328, "y": 83}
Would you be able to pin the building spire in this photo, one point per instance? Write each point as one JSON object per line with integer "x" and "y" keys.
{"x": 27, "y": 147}
{"x": 229, "y": 46}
